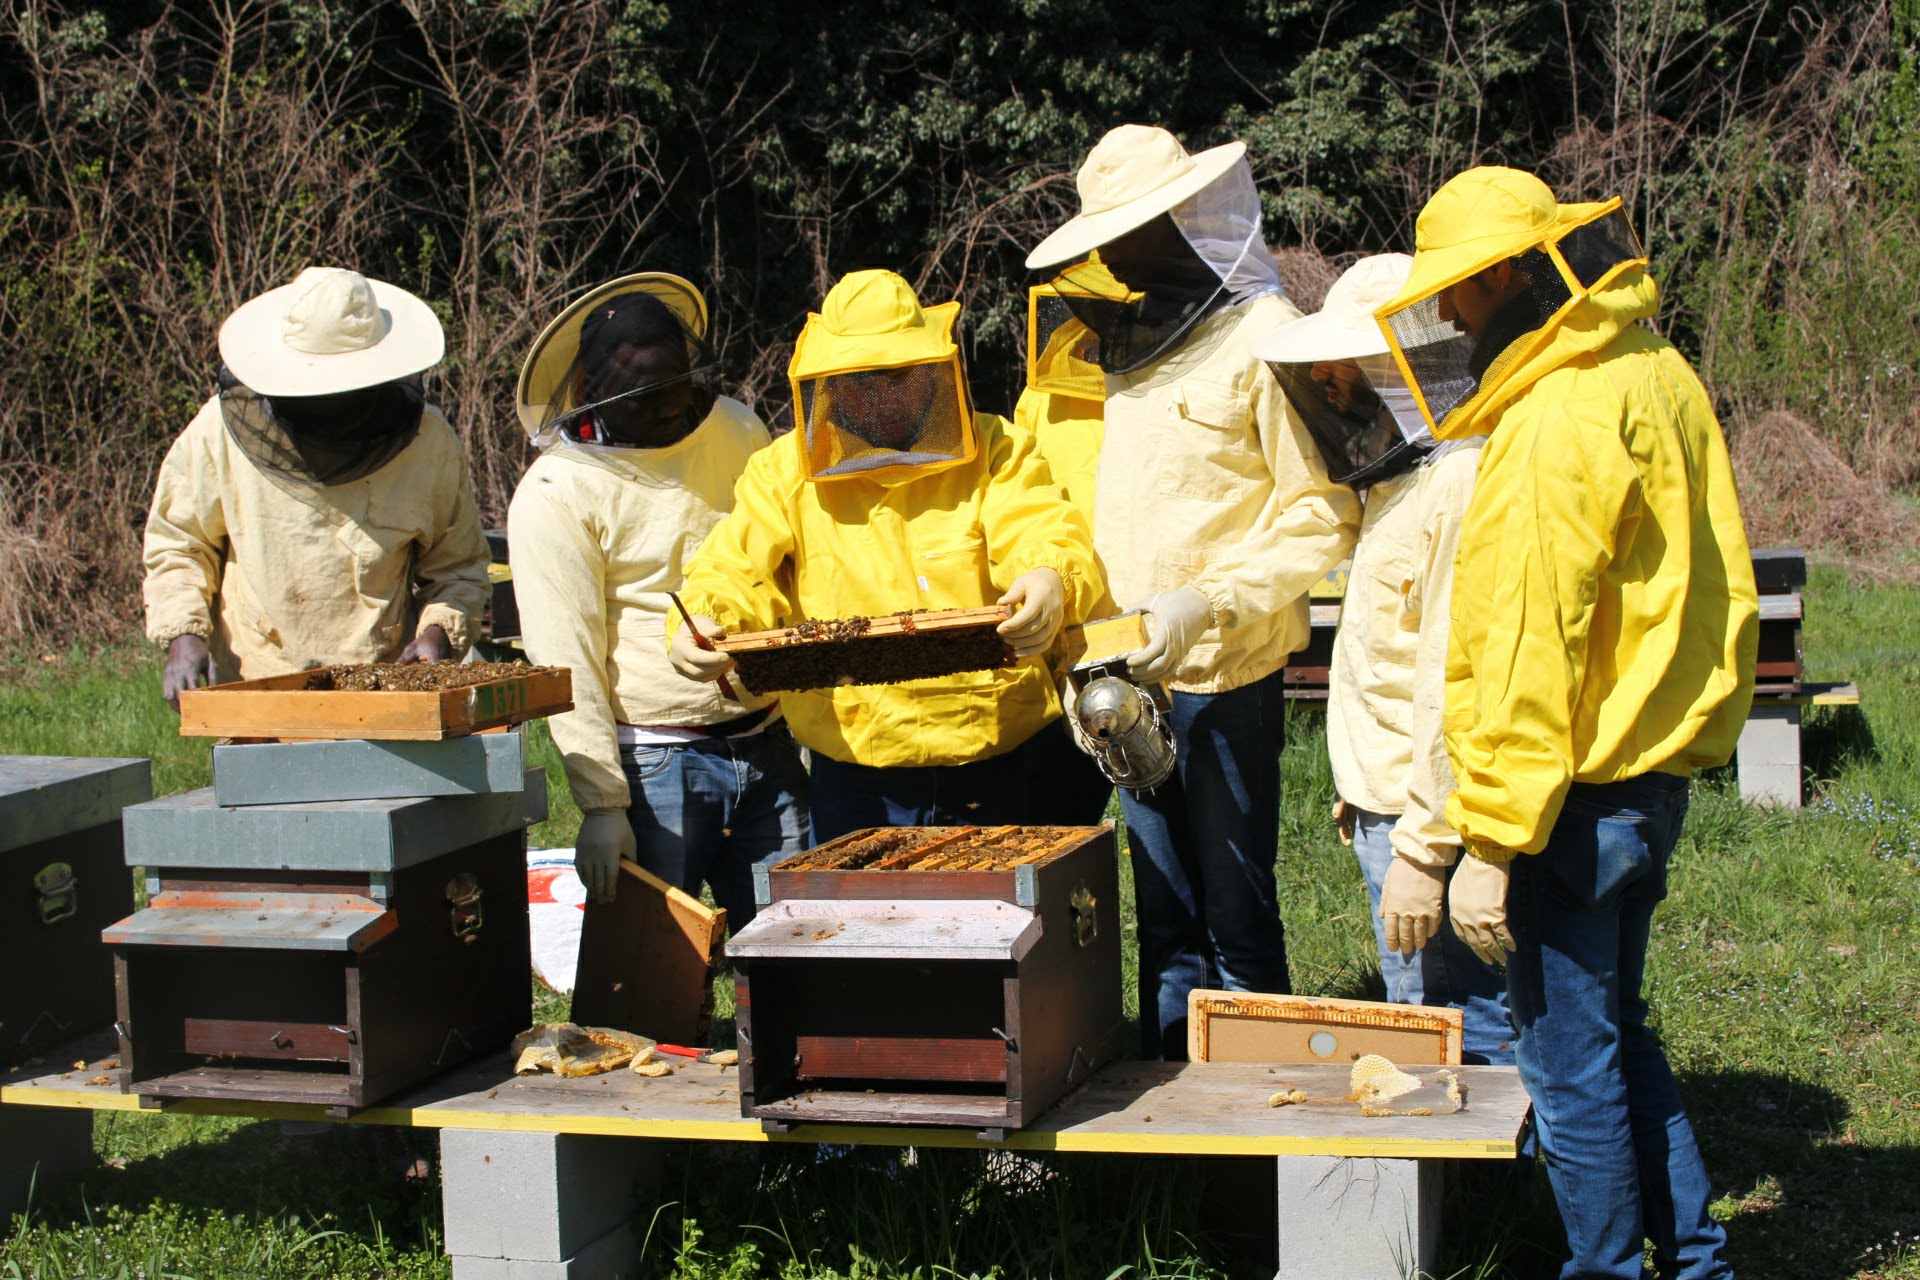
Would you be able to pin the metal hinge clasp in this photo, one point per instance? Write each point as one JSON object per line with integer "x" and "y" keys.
{"x": 59, "y": 892}
{"x": 466, "y": 916}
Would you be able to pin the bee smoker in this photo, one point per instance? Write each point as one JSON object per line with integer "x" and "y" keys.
{"x": 1122, "y": 725}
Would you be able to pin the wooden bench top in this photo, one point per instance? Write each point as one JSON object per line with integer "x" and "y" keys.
{"x": 1148, "y": 1108}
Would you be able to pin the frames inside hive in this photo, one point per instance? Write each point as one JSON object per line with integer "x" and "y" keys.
{"x": 937, "y": 849}
{"x": 892, "y": 649}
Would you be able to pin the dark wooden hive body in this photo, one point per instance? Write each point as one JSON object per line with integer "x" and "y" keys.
{"x": 951, "y": 976}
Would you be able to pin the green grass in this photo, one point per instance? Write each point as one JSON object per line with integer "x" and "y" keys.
{"x": 1781, "y": 975}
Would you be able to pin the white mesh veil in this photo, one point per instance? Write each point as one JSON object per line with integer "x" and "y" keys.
{"x": 1222, "y": 223}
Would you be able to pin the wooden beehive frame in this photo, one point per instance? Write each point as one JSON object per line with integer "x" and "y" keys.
{"x": 942, "y": 849}
{"x": 1367, "y": 1026}
{"x": 283, "y": 707}
{"x": 764, "y": 656}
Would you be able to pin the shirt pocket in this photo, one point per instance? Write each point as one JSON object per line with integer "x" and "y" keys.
{"x": 954, "y": 573}
{"x": 1212, "y": 451}
{"x": 385, "y": 544}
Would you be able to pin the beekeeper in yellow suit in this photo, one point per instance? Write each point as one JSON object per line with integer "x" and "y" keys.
{"x": 891, "y": 493}
{"x": 1213, "y": 513}
{"x": 1604, "y": 626}
{"x": 1063, "y": 406}
{"x": 638, "y": 462}
{"x": 1387, "y": 685}
{"x": 317, "y": 510}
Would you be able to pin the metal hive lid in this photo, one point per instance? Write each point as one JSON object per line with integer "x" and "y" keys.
{"x": 935, "y": 929}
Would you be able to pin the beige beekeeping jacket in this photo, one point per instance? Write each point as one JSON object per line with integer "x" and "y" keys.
{"x": 282, "y": 577}
{"x": 599, "y": 537}
{"x": 1208, "y": 480}
{"x": 1387, "y": 689}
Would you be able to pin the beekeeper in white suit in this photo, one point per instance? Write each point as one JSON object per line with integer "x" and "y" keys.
{"x": 1213, "y": 512}
{"x": 317, "y": 509}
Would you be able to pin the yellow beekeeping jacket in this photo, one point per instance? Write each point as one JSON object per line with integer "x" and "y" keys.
{"x": 1604, "y": 611}
{"x": 951, "y": 538}
{"x": 599, "y": 537}
{"x": 1387, "y": 688}
{"x": 284, "y": 577}
{"x": 1208, "y": 480}
{"x": 1068, "y": 430}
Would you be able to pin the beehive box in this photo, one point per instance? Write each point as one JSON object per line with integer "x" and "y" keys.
{"x": 1245, "y": 1026}
{"x": 930, "y": 975}
{"x": 65, "y": 879}
{"x": 454, "y": 699}
{"x": 327, "y": 953}
{"x": 886, "y": 649}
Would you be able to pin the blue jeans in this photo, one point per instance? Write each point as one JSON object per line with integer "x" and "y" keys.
{"x": 1620, "y": 1153}
{"x": 1065, "y": 788}
{"x": 1445, "y": 971}
{"x": 1202, "y": 847}
{"x": 707, "y": 811}
{"x": 982, "y": 793}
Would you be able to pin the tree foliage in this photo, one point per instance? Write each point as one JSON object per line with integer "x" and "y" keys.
{"x": 161, "y": 162}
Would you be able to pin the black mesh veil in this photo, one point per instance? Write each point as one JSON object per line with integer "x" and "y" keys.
{"x": 640, "y": 377}
{"x": 1143, "y": 295}
{"x": 1359, "y": 440}
{"x": 322, "y": 440}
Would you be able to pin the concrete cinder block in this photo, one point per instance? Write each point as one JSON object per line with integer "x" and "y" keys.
{"x": 614, "y": 1256}
{"x": 309, "y": 772}
{"x": 39, "y": 1145}
{"x": 541, "y": 1197}
{"x": 1768, "y": 756}
{"x": 45, "y": 797}
{"x": 1359, "y": 1219}
{"x": 192, "y": 830}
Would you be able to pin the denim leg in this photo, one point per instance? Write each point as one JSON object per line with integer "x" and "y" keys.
{"x": 848, "y": 797}
{"x": 1203, "y": 847}
{"x": 766, "y": 821}
{"x": 1232, "y": 779}
{"x": 1174, "y": 956}
{"x": 1620, "y": 1153}
{"x": 666, "y": 822}
{"x": 1064, "y": 786}
{"x": 1374, "y": 850}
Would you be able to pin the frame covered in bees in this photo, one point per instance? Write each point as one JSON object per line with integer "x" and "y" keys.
{"x": 886, "y": 649}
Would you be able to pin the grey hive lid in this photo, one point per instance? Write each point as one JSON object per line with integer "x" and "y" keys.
{"x": 42, "y": 797}
{"x": 192, "y": 830}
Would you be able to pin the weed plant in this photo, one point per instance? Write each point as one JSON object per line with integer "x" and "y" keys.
{"x": 1781, "y": 977}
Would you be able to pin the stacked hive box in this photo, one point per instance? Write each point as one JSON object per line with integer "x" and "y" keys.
{"x": 330, "y": 921}
{"x": 933, "y": 975}
{"x": 60, "y": 856}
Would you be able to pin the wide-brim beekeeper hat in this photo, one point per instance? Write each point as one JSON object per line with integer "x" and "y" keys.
{"x": 1371, "y": 431}
{"x": 1563, "y": 253}
{"x": 1480, "y": 217}
{"x": 1132, "y": 176}
{"x": 872, "y": 323}
{"x": 331, "y": 330}
{"x": 543, "y": 394}
{"x": 1343, "y": 328}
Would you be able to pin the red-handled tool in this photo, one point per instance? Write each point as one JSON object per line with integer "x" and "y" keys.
{"x": 726, "y": 685}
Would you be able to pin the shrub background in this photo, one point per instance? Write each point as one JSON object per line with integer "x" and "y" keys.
{"x": 160, "y": 163}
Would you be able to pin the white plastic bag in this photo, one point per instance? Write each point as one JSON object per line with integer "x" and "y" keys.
{"x": 556, "y": 904}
